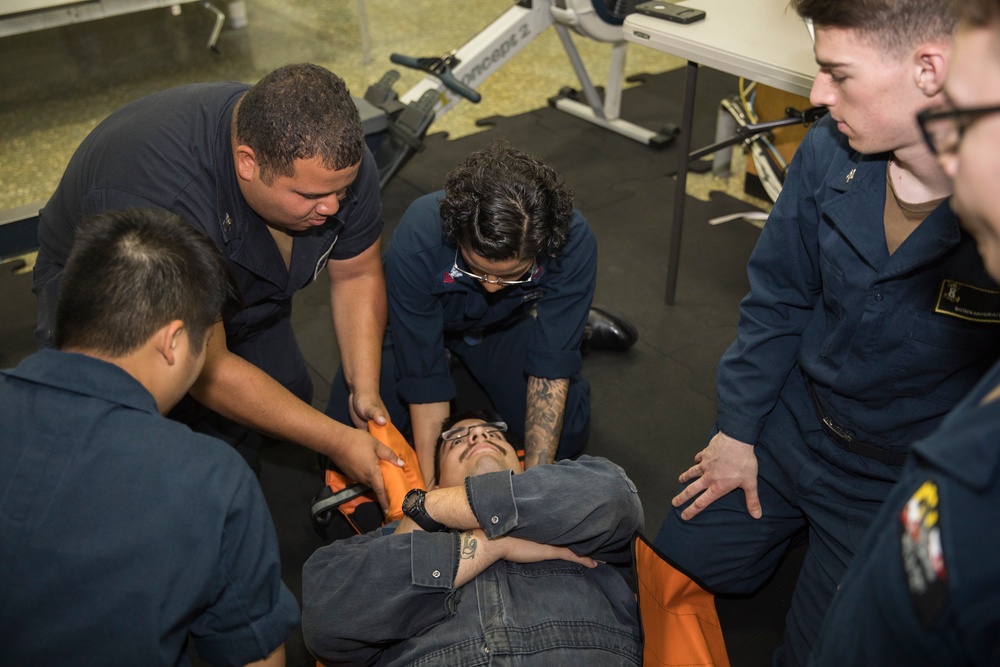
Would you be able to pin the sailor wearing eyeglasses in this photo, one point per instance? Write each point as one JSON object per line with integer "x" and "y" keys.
{"x": 869, "y": 317}
{"x": 923, "y": 590}
{"x": 498, "y": 271}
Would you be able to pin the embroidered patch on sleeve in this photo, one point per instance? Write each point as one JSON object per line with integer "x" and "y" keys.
{"x": 968, "y": 302}
{"x": 922, "y": 554}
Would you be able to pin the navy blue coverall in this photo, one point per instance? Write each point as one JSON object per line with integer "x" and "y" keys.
{"x": 432, "y": 308}
{"x": 125, "y": 535}
{"x": 888, "y": 343}
{"x": 173, "y": 150}
{"x": 924, "y": 588}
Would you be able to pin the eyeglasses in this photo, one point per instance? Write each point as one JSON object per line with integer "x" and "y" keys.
{"x": 943, "y": 128}
{"x": 493, "y": 280}
{"x": 457, "y": 435}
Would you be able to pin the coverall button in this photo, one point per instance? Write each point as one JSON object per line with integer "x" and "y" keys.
{"x": 436, "y": 574}
{"x": 495, "y": 520}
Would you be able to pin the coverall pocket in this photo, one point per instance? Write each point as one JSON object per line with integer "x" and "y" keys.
{"x": 940, "y": 357}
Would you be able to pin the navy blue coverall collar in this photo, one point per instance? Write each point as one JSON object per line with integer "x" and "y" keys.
{"x": 862, "y": 180}
{"x": 87, "y": 376}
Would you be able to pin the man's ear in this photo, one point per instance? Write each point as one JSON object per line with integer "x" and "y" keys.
{"x": 931, "y": 67}
{"x": 167, "y": 339}
{"x": 246, "y": 163}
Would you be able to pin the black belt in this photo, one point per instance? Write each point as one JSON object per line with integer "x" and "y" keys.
{"x": 844, "y": 439}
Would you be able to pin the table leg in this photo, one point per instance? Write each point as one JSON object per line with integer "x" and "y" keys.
{"x": 680, "y": 188}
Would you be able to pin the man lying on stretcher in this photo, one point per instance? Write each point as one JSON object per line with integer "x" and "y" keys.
{"x": 492, "y": 561}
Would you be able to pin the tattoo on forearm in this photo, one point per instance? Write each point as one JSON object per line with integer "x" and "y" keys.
{"x": 469, "y": 546}
{"x": 544, "y": 421}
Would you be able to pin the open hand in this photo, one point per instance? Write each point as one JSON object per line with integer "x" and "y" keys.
{"x": 724, "y": 465}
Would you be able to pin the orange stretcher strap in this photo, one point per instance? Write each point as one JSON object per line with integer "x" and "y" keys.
{"x": 398, "y": 481}
{"x": 348, "y": 494}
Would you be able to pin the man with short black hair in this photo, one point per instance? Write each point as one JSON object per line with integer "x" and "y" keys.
{"x": 125, "y": 535}
{"x": 278, "y": 176}
{"x": 869, "y": 317}
{"x": 524, "y": 567}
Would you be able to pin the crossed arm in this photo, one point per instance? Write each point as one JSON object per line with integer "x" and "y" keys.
{"x": 579, "y": 511}
{"x": 476, "y": 551}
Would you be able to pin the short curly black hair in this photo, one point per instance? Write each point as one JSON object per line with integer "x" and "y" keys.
{"x": 503, "y": 204}
{"x": 299, "y": 112}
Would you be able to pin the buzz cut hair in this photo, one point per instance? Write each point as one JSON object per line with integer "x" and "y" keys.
{"x": 133, "y": 271}
{"x": 892, "y": 25}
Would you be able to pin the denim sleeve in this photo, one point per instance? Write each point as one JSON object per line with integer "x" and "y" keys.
{"x": 589, "y": 505}
{"x": 784, "y": 290}
{"x": 400, "y": 584}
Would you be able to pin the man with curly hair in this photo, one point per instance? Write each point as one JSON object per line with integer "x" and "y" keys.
{"x": 498, "y": 271}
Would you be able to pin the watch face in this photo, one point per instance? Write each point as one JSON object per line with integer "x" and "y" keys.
{"x": 411, "y": 502}
{"x": 413, "y": 507}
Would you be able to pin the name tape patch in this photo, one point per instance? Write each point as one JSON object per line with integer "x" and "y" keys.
{"x": 968, "y": 302}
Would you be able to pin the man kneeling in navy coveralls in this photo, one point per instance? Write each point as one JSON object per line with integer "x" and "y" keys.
{"x": 125, "y": 535}
{"x": 494, "y": 565}
{"x": 498, "y": 270}
{"x": 869, "y": 317}
{"x": 924, "y": 588}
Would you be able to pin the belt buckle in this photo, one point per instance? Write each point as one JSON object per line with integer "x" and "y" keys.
{"x": 838, "y": 430}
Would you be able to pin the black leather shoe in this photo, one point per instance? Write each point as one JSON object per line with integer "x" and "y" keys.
{"x": 607, "y": 331}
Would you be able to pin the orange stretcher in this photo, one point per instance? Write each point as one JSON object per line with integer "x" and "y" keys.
{"x": 679, "y": 621}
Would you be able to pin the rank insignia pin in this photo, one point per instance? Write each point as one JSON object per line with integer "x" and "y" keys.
{"x": 227, "y": 223}
{"x": 850, "y": 175}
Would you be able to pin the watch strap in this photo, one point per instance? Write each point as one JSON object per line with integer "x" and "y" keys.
{"x": 413, "y": 507}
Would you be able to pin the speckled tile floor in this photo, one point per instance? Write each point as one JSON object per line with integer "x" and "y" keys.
{"x": 56, "y": 84}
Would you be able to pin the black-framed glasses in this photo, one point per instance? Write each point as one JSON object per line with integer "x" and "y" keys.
{"x": 456, "y": 436}
{"x": 944, "y": 127}
{"x": 494, "y": 280}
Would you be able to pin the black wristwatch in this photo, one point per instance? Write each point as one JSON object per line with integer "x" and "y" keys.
{"x": 413, "y": 507}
